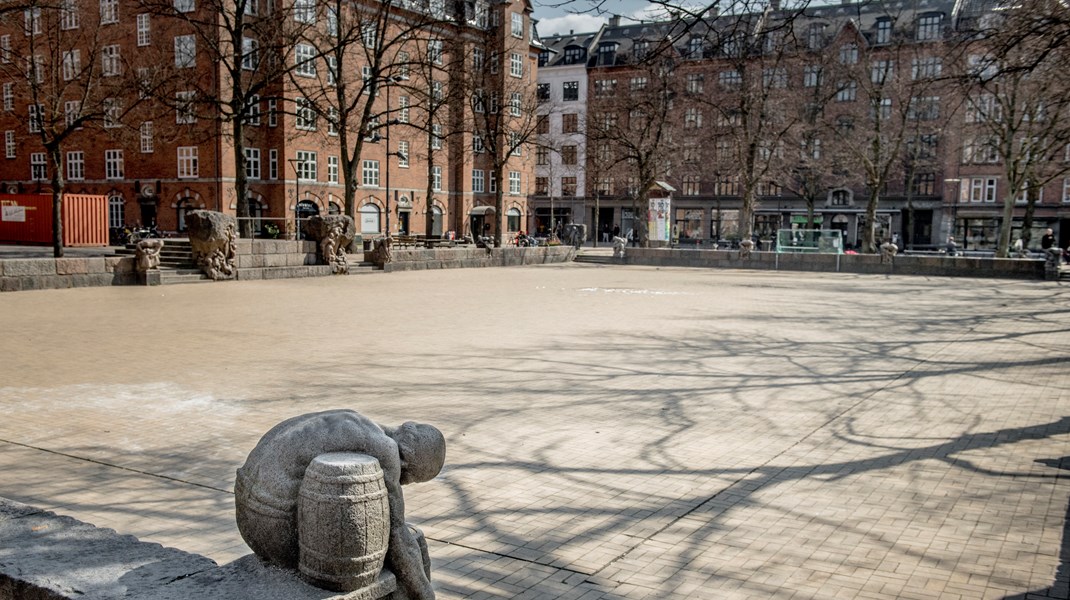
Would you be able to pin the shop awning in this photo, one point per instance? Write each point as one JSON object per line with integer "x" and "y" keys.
{"x": 482, "y": 210}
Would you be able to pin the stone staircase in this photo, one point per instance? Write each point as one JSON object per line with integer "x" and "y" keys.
{"x": 176, "y": 262}
{"x": 597, "y": 256}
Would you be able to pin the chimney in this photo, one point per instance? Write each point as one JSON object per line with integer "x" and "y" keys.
{"x": 614, "y": 21}
{"x": 774, "y": 4}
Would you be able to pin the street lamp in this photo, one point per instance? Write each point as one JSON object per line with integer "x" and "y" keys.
{"x": 390, "y": 81}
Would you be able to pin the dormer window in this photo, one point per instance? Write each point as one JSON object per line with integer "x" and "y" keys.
{"x": 573, "y": 55}
{"x": 929, "y": 27}
{"x": 815, "y": 36}
{"x": 884, "y": 31}
{"x": 640, "y": 49}
{"x": 694, "y": 47}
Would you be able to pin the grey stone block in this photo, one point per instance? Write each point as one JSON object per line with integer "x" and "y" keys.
{"x": 10, "y": 284}
{"x": 29, "y": 266}
{"x": 71, "y": 266}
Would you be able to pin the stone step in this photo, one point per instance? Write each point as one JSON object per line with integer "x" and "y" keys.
{"x": 596, "y": 259}
{"x": 172, "y": 278}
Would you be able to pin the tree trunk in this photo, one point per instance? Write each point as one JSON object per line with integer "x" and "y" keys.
{"x": 58, "y": 185}
{"x": 1004, "y": 244}
{"x": 869, "y": 237}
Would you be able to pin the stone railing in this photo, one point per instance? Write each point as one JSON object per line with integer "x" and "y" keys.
{"x": 941, "y": 266}
{"x": 410, "y": 259}
{"x": 18, "y": 274}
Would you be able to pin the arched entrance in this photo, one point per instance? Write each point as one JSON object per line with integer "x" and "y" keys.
{"x": 436, "y": 222}
{"x": 305, "y": 209}
{"x": 481, "y": 221}
{"x": 185, "y": 206}
{"x": 369, "y": 219}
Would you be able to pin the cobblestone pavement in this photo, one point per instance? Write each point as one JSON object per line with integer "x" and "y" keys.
{"x": 613, "y": 432}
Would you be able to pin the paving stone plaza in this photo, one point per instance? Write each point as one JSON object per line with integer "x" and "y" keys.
{"x": 613, "y": 432}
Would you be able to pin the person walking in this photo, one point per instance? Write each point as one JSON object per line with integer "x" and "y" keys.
{"x": 952, "y": 247}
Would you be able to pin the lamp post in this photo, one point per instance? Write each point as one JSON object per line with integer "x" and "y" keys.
{"x": 389, "y": 81}
{"x": 298, "y": 166}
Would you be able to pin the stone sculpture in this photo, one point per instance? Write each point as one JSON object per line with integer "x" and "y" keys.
{"x": 148, "y": 254}
{"x": 321, "y": 493}
{"x": 888, "y": 251}
{"x": 334, "y": 233}
{"x": 213, "y": 238}
{"x": 1052, "y": 261}
{"x": 383, "y": 252}
{"x": 574, "y": 234}
{"x": 618, "y": 246}
{"x": 745, "y": 248}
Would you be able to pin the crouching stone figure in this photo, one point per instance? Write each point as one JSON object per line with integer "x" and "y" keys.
{"x": 314, "y": 484}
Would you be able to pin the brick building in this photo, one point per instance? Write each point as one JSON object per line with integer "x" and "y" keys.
{"x": 856, "y": 69}
{"x": 157, "y": 157}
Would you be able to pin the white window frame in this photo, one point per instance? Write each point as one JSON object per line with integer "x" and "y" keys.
{"x": 273, "y": 164}
{"x": 305, "y": 11}
{"x": 70, "y": 17}
{"x": 304, "y": 115}
{"x": 514, "y": 182}
{"x": 113, "y": 111}
{"x": 478, "y": 181}
{"x": 515, "y": 104}
{"x": 111, "y": 62}
{"x": 144, "y": 33}
{"x": 114, "y": 165}
{"x": 187, "y": 162}
{"x": 72, "y": 64}
{"x": 436, "y": 178}
{"x": 305, "y": 60}
{"x": 9, "y": 143}
{"x": 38, "y": 166}
{"x": 516, "y": 65}
{"x": 252, "y": 111}
{"x": 307, "y": 165}
{"x": 332, "y": 169}
{"x": 109, "y": 12}
{"x": 9, "y": 96}
{"x": 75, "y": 164}
{"x": 36, "y": 113}
{"x": 252, "y": 163}
{"x": 369, "y": 173}
{"x": 403, "y": 154}
{"x": 145, "y": 137}
{"x": 184, "y": 114}
{"x": 185, "y": 6}
{"x": 250, "y": 54}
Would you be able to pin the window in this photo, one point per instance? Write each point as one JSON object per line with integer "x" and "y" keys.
{"x": 847, "y": 91}
{"x": 568, "y": 186}
{"x": 695, "y": 83}
{"x": 982, "y": 108}
{"x": 811, "y": 76}
{"x": 403, "y": 65}
{"x": 514, "y": 104}
{"x": 517, "y": 25}
{"x": 273, "y": 164}
{"x": 37, "y": 111}
{"x": 38, "y": 170}
{"x": 185, "y": 51}
{"x": 880, "y": 72}
{"x": 403, "y": 109}
{"x": 542, "y": 92}
{"x": 305, "y": 11}
{"x": 926, "y": 68}
{"x": 76, "y": 165}
{"x": 637, "y": 84}
{"x": 9, "y": 97}
{"x": 570, "y": 91}
{"x": 640, "y": 49}
{"x": 477, "y": 144}
{"x": 113, "y": 164}
{"x": 512, "y": 219}
{"x": 514, "y": 182}
{"x": 516, "y": 66}
{"x": 72, "y": 64}
{"x": 403, "y": 154}
{"x": 115, "y": 212}
{"x": 369, "y": 218}
{"x": 69, "y": 15}
{"x": 730, "y": 79}
{"x": 849, "y": 54}
{"x": 145, "y": 133}
{"x": 477, "y": 181}
{"x": 776, "y": 78}
{"x": 882, "y": 109}
{"x": 184, "y": 6}
{"x": 1037, "y": 193}
{"x": 113, "y": 111}
{"x": 436, "y": 179}
{"x": 434, "y": 51}
{"x": 542, "y": 125}
{"x": 1066, "y": 189}
{"x": 370, "y": 173}
{"x": 568, "y": 155}
{"x": 573, "y": 55}
{"x": 542, "y": 155}
{"x": 109, "y": 12}
{"x": 542, "y": 186}
{"x": 9, "y": 144}
{"x": 5, "y": 48}
{"x": 251, "y": 7}
{"x": 250, "y": 54}
{"x": 38, "y": 68}
{"x": 273, "y": 113}
{"x": 478, "y": 60}
{"x": 332, "y": 169}
{"x": 436, "y": 91}
{"x": 306, "y": 165}
{"x": 925, "y": 184}
{"x": 111, "y": 65}
{"x": 184, "y": 108}
{"x": 32, "y": 21}
{"x": 305, "y": 115}
{"x": 691, "y": 185}
{"x": 694, "y": 47}
{"x": 304, "y": 59}
{"x": 492, "y": 181}
{"x": 979, "y": 189}
{"x": 187, "y": 162}
{"x": 516, "y": 144}
{"x": 143, "y": 37}
{"x": 815, "y": 36}
{"x": 929, "y": 27}
{"x": 605, "y": 87}
{"x": 332, "y": 121}
{"x": 252, "y": 163}
{"x": 72, "y": 110}
{"x": 570, "y": 123}
{"x": 884, "y": 31}
{"x": 252, "y": 110}
{"x": 924, "y": 108}
{"x": 369, "y": 35}
{"x": 693, "y": 118}
{"x": 436, "y": 136}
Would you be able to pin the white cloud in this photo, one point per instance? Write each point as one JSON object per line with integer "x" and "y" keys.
{"x": 566, "y": 23}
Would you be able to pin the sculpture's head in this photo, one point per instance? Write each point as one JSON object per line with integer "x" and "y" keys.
{"x": 423, "y": 451}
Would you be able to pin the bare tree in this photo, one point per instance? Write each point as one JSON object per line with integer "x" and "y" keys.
{"x": 69, "y": 70}
{"x": 1017, "y": 97}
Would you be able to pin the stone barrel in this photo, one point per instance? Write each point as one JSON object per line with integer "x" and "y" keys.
{"x": 343, "y": 521}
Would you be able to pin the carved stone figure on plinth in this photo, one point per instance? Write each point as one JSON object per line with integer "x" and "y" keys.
{"x": 1052, "y": 260}
{"x": 213, "y": 238}
{"x": 618, "y": 246}
{"x": 745, "y": 248}
{"x": 148, "y": 254}
{"x": 574, "y": 234}
{"x": 334, "y": 233}
{"x": 383, "y": 253}
{"x": 888, "y": 252}
{"x": 321, "y": 493}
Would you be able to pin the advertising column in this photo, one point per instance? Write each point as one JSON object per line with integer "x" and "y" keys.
{"x": 659, "y": 222}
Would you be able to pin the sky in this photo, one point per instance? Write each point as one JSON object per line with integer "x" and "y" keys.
{"x": 562, "y": 16}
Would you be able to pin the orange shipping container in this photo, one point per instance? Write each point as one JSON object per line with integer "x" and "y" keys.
{"x": 27, "y": 219}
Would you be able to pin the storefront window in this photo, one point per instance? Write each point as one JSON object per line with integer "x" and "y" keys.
{"x": 724, "y": 225}
{"x": 977, "y": 233}
{"x": 766, "y": 226}
{"x": 689, "y": 223}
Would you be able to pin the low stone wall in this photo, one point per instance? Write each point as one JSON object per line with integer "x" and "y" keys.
{"x": 19, "y": 274}
{"x": 411, "y": 259}
{"x": 942, "y": 266}
{"x": 278, "y": 259}
{"x": 45, "y": 556}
